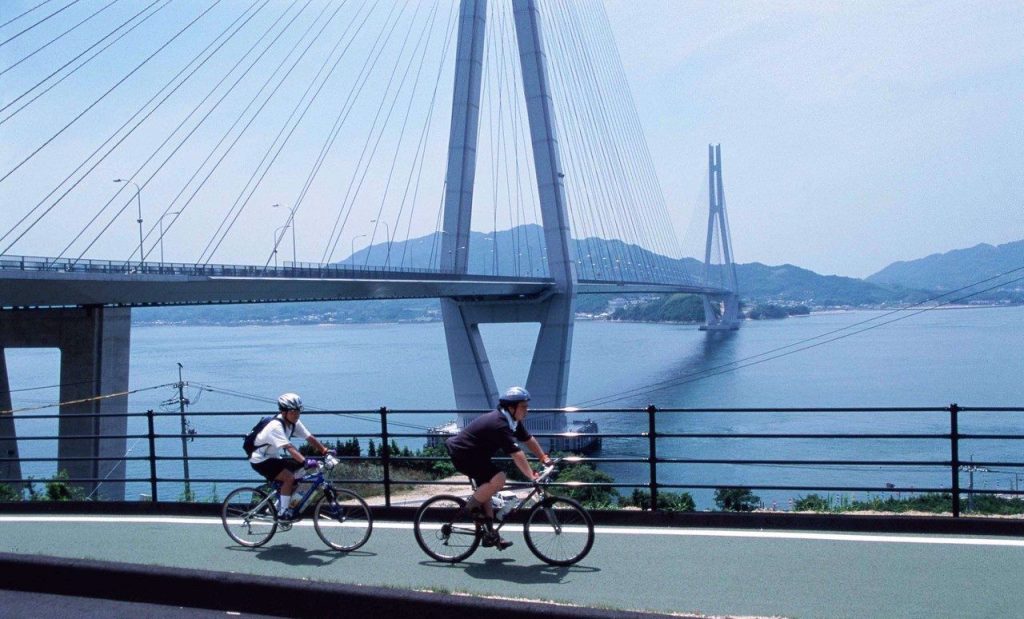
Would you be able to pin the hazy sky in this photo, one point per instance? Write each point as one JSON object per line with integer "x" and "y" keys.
{"x": 853, "y": 134}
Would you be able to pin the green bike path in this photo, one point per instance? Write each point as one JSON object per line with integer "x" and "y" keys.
{"x": 701, "y": 571}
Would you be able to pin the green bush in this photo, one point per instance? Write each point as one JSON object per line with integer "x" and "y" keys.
{"x": 812, "y": 503}
{"x": 589, "y": 496}
{"x": 667, "y": 501}
{"x": 9, "y": 494}
{"x": 736, "y": 499}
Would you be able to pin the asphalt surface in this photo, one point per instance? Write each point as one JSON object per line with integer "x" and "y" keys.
{"x": 700, "y": 571}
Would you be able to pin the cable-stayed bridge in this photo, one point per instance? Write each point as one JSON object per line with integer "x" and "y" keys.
{"x": 134, "y": 129}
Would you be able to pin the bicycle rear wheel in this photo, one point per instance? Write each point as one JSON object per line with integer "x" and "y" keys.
{"x": 559, "y": 531}
{"x": 445, "y": 530}
{"x": 343, "y": 521}
{"x": 249, "y": 516}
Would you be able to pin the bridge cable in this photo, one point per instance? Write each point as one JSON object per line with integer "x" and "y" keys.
{"x": 60, "y": 36}
{"x": 421, "y": 153}
{"x": 83, "y": 63}
{"x": 405, "y": 121}
{"x": 369, "y": 64}
{"x": 103, "y": 157}
{"x": 104, "y": 95}
{"x": 26, "y": 12}
{"x": 251, "y": 186}
{"x": 806, "y": 344}
{"x": 170, "y": 135}
{"x": 23, "y": 31}
{"x": 346, "y": 207}
{"x": 55, "y": 189}
{"x": 277, "y": 21}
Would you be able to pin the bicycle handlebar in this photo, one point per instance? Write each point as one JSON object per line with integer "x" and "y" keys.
{"x": 548, "y": 470}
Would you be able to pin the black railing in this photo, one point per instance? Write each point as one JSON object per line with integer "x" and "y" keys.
{"x": 677, "y": 442}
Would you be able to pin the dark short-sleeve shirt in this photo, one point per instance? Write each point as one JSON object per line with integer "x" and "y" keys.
{"x": 485, "y": 435}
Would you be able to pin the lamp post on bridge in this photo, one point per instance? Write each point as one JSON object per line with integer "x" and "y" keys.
{"x": 161, "y": 222}
{"x": 138, "y": 197}
{"x": 352, "y": 249}
{"x": 290, "y": 223}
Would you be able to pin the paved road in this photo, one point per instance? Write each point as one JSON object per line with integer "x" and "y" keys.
{"x": 717, "y": 572}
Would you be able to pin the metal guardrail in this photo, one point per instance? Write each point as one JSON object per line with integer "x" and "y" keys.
{"x": 392, "y": 463}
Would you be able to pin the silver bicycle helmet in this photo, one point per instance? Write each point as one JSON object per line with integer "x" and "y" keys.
{"x": 515, "y": 394}
{"x": 289, "y": 402}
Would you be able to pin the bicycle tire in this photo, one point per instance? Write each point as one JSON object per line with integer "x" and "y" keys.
{"x": 559, "y": 531}
{"x": 343, "y": 521}
{"x": 445, "y": 530}
{"x": 248, "y": 517}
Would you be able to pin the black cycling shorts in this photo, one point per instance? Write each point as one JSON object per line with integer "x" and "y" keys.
{"x": 480, "y": 471}
{"x": 270, "y": 469}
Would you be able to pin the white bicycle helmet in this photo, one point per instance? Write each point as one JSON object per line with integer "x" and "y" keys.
{"x": 289, "y": 402}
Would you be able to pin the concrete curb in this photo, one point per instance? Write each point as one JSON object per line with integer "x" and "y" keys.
{"x": 1013, "y": 527}
{"x": 262, "y": 595}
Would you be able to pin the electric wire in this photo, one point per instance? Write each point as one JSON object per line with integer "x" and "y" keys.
{"x": 804, "y": 344}
{"x": 106, "y": 396}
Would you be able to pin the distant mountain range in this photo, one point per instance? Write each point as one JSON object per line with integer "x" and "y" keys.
{"x": 958, "y": 268}
{"x": 518, "y": 252}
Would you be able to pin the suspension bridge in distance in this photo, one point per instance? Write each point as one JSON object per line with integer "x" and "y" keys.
{"x": 582, "y": 182}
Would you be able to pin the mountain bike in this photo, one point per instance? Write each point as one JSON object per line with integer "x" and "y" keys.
{"x": 558, "y": 530}
{"x": 341, "y": 517}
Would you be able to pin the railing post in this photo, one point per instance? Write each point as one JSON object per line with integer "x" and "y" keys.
{"x": 652, "y": 454}
{"x": 385, "y": 455}
{"x": 954, "y": 456}
{"x": 152, "y": 455}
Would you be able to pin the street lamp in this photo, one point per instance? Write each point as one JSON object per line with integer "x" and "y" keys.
{"x": 161, "y": 222}
{"x": 352, "y": 249}
{"x": 387, "y": 231}
{"x": 138, "y": 196}
{"x": 290, "y": 223}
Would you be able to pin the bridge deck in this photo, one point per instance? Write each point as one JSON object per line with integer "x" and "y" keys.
{"x": 45, "y": 282}
{"x": 722, "y": 572}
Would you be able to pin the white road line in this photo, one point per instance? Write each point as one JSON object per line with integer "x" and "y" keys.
{"x": 672, "y": 532}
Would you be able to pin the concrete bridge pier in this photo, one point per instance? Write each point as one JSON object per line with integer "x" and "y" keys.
{"x": 95, "y": 345}
{"x": 9, "y": 469}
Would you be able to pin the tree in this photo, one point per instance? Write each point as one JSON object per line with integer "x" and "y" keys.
{"x": 589, "y": 496}
{"x": 736, "y": 499}
{"x": 667, "y": 501}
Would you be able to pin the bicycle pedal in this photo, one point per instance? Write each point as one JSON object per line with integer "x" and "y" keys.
{"x": 284, "y": 526}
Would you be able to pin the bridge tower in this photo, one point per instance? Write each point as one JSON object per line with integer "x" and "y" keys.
{"x": 721, "y": 311}
{"x": 473, "y": 380}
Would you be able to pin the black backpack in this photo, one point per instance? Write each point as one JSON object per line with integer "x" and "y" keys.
{"x": 249, "y": 444}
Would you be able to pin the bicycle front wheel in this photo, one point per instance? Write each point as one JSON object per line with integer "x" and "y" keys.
{"x": 249, "y": 516}
{"x": 445, "y": 530}
{"x": 559, "y": 531}
{"x": 343, "y": 521}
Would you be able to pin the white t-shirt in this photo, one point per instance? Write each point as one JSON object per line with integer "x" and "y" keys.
{"x": 273, "y": 438}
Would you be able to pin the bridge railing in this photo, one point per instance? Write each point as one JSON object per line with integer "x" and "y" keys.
{"x": 841, "y": 450}
{"x": 305, "y": 270}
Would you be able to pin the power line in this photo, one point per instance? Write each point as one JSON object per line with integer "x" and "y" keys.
{"x": 107, "y": 396}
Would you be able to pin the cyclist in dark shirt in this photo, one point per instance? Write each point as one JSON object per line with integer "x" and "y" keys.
{"x": 472, "y": 448}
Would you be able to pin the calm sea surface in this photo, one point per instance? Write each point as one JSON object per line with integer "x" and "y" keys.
{"x": 974, "y": 357}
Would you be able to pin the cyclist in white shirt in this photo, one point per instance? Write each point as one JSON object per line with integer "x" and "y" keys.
{"x": 274, "y": 439}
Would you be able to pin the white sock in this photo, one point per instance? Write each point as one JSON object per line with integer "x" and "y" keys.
{"x": 282, "y": 503}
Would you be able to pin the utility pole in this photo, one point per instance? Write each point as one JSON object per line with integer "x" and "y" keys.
{"x": 970, "y": 468}
{"x": 182, "y": 401}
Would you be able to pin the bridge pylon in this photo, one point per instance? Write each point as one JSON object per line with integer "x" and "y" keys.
{"x": 472, "y": 377}
{"x": 721, "y": 311}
